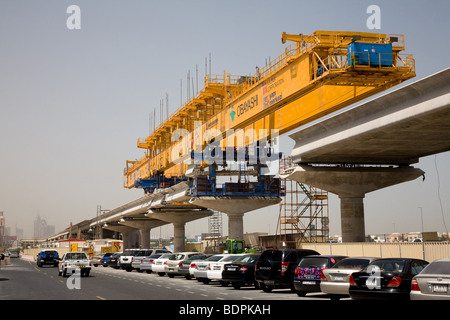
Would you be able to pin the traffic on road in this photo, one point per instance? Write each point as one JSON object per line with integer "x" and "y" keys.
{"x": 272, "y": 274}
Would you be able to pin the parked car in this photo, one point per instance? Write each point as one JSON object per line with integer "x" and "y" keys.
{"x": 171, "y": 267}
{"x": 387, "y": 278}
{"x": 97, "y": 259}
{"x": 433, "y": 283}
{"x": 47, "y": 256}
{"x": 14, "y": 254}
{"x": 72, "y": 261}
{"x": 201, "y": 267}
{"x": 308, "y": 272}
{"x": 334, "y": 281}
{"x": 160, "y": 263}
{"x": 241, "y": 271}
{"x": 214, "y": 272}
{"x": 148, "y": 262}
{"x": 142, "y": 254}
{"x": 275, "y": 268}
{"x": 184, "y": 265}
{"x": 114, "y": 260}
{"x": 127, "y": 258}
{"x": 105, "y": 258}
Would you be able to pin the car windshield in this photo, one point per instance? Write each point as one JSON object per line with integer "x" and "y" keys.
{"x": 247, "y": 258}
{"x": 166, "y": 256}
{"x": 437, "y": 267}
{"x": 214, "y": 258}
{"x": 313, "y": 262}
{"x": 196, "y": 257}
{"x": 141, "y": 253}
{"x": 390, "y": 265}
{"x": 129, "y": 252}
{"x": 75, "y": 255}
{"x": 178, "y": 256}
{"x": 230, "y": 258}
{"x": 357, "y": 264}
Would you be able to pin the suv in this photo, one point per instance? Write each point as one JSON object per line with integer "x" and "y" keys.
{"x": 127, "y": 258}
{"x": 275, "y": 268}
{"x": 47, "y": 257}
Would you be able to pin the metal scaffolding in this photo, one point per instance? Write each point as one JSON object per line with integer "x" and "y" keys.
{"x": 303, "y": 213}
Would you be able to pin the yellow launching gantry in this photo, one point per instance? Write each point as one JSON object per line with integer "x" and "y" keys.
{"x": 317, "y": 74}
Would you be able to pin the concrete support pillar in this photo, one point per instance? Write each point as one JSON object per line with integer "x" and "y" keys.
{"x": 352, "y": 219}
{"x": 144, "y": 226}
{"x": 179, "y": 219}
{"x": 235, "y": 225}
{"x": 124, "y": 230}
{"x": 235, "y": 208}
{"x": 179, "y": 236}
{"x": 351, "y": 184}
{"x": 126, "y": 239}
{"x": 145, "y": 238}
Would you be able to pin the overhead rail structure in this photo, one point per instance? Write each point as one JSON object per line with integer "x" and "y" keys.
{"x": 219, "y": 143}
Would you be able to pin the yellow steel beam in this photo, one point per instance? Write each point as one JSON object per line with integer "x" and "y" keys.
{"x": 282, "y": 96}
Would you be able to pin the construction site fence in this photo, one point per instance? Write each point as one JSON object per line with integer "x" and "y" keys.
{"x": 428, "y": 251}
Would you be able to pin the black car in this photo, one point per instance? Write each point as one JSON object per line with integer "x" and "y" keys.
{"x": 47, "y": 257}
{"x": 241, "y": 271}
{"x": 309, "y": 270}
{"x": 387, "y": 278}
{"x": 275, "y": 268}
{"x": 113, "y": 260}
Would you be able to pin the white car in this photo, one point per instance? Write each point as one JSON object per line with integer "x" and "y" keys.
{"x": 72, "y": 261}
{"x": 214, "y": 272}
{"x": 201, "y": 267}
{"x": 335, "y": 280}
{"x": 160, "y": 264}
{"x": 171, "y": 267}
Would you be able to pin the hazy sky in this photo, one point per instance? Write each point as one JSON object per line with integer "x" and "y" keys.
{"x": 74, "y": 102}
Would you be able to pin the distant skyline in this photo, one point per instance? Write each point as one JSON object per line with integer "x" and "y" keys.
{"x": 73, "y": 102}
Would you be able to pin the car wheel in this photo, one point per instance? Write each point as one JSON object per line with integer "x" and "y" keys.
{"x": 188, "y": 277}
{"x": 86, "y": 273}
{"x": 256, "y": 285}
{"x": 334, "y": 297}
{"x": 129, "y": 269}
{"x": 171, "y": 275}
{"x": 301, "y": 293}
{"x": 148, "y": 271}
{"x": 161, "y": 274}
{"x": 206, "y": 281}
{"x": 64, "y": 273}
{"x": 224, "y": 283}
{"x": 237, "y": 285}
{"x": 266, "y": 288}
{"x": 59, "y": 273}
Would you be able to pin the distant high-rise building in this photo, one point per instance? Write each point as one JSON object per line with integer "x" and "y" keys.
{"x": 2, "y": 228}
{"x": 41, "y": 229}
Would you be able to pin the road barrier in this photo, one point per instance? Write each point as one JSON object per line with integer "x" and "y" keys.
{"x": 429, "y": 251}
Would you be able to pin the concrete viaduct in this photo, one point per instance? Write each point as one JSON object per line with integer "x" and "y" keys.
{"x": 373, "y": 146}
{"x": 365, "y": 148}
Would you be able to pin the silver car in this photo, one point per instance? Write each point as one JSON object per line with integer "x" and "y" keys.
{"x": 433, "y": 283}
{"x": 335, "y": 280}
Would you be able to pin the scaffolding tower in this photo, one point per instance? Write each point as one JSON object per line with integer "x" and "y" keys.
{"x": 303, "y": 213}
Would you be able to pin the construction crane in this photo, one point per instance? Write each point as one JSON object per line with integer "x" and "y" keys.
{"x": 238, "y": 117}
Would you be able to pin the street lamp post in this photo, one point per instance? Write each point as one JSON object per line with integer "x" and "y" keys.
{"x": 423, "y": 244}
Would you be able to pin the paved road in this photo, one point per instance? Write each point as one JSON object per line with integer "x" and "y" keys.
{"x": 23, "y": 280}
